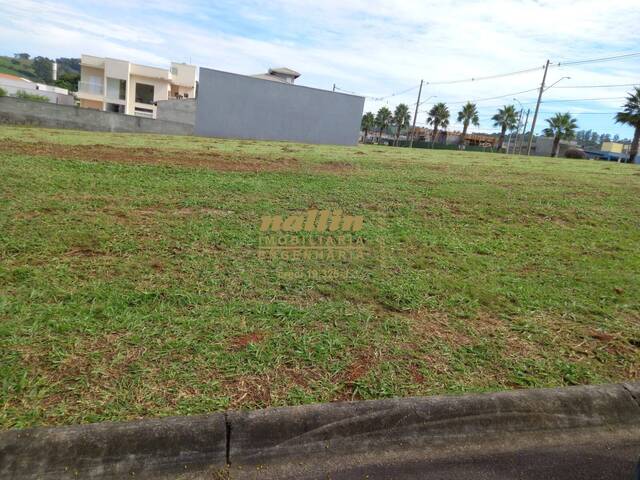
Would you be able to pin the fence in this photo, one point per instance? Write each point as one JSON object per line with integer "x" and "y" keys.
{"x": 25, "y": 112}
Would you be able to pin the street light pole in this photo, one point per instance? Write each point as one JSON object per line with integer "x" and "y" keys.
{"x": 524, "y": 131}
{"x": 535, "y": 115}
{"x": 515, "y": 143}
{"x": 415, "y": 115}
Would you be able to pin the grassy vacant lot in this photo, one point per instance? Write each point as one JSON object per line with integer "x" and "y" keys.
{"x": 130, "y": 283}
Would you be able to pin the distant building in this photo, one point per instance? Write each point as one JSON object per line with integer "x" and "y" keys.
{"x": 609, "y": 156}
{"x": 119, "y": 86}
{"x": 13, "y": 84}
{"x": 613, "y": 147}
{"x": 282, "y": 74}
{"x": 453, "y": 138}
{"x": 472, "y": 139}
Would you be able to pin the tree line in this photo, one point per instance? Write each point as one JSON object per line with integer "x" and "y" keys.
{"x": 562, "y": 126}
{"x": 40, "y": 69}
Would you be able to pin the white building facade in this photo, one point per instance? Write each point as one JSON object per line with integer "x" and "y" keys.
{"x": 119, "y": 86}
{"x": 13, "y": 85}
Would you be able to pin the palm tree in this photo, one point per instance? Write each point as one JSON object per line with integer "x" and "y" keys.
{"x": 468, "y": 115}
{"x": 443, "y": 131}
{"x": 367, "y": 123}
{"x": 438, "y": 115}
{"x": 506, "y": 119}
{"x": 383, "y": 117}
{"x": 401, "y": 119}
{"x": 630, "y": 115}
{"x": 562, "y": 126}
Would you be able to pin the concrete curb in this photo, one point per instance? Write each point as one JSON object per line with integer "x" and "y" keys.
{"x": 144, "y": 449}
{"x": 260, "y": 436}
{"x": 184, "y": 447}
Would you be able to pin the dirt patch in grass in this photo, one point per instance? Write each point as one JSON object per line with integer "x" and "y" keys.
{"x": 335, "y": 166}
{"x": 290, "y": 149}
{"x": 268, "y": 388}
{"x": 358, "y": 368}
{"x": 429, "y": 325}
{"x": 83, "y": 252}
{"x": 84, "y": 368}
{"x": 226, "y": 162}
{"x": 170, "y": 211}
{"x": 241, "y": 341}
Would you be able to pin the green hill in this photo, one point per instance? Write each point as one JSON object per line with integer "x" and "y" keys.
{"x": 40, "y": 69}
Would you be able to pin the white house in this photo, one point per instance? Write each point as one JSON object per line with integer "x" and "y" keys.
{"x": 13, "y": 84}
{"x": 119, "y": 86}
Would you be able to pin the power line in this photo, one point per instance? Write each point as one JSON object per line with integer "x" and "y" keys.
{"x": 494, "y": 98}
{"x": 516, "y": 72}
{"x": 562, "y": 100}
{"x": 596, "y": 60}
{"x": 377, "y": 99}
{"x": 335, "y": 87}
{"x": 528, "y": 70}
{"x": 599, "y": 86}
{"x": 488, "y": 77}
{"x": 584, "y": 113}
{"x": 475, "y": 100}
{"x": 394, "y": 94}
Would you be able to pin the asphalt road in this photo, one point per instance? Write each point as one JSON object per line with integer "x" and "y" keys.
{"x": 530, "y": 464}
{"x": 600, "y": 460}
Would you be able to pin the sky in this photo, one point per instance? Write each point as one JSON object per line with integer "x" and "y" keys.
{"x": 375, "y": 48}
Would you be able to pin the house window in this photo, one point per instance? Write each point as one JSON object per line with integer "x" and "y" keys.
{"x": 116, "y": 88}
{"x": 144, "y": 93}
{"x": 174, "y": 71}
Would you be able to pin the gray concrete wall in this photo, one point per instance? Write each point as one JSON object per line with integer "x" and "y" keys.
{"x": 25, "y": 112}
{"x": 238, "y": 106}
{"x": 181, "y": 111}
{"x": 543, "y": 146}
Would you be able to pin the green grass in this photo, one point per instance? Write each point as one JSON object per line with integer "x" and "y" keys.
{"x": 132, "y": 288}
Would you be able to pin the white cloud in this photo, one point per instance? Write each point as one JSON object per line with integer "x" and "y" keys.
{"x": 373, "y": 47}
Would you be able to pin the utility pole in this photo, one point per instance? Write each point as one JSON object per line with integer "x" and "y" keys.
{"x": 524, "y": 131}
{"x": 535, "y": 115}
{"x": 415, "y": 116}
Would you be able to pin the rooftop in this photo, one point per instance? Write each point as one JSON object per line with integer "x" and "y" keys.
{"x": 284, "y": 71}
{"x": 8, "y": 76}
{"x": 281, "y": 74}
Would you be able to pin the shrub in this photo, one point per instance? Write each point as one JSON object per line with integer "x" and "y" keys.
{"x": 3, "y": 92}
{"x": 31, "y": 96}
{"x": 575, "y": 153}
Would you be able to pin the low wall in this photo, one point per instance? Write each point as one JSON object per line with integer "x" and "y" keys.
{"x": 17, "y": 111}
{"x": 181, "y": 111}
